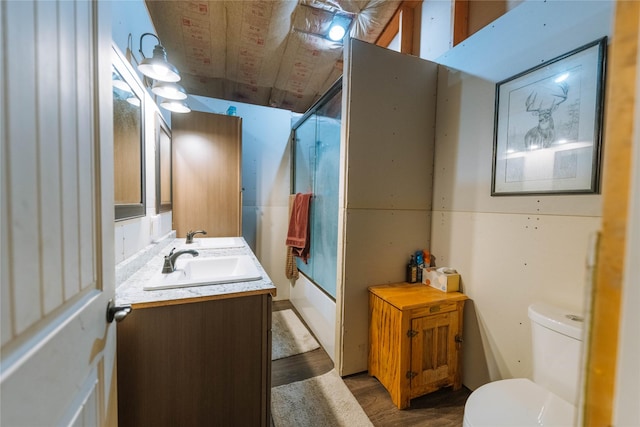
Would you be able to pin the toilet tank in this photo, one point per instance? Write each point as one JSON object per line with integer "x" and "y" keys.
{"x": 557, "y": 349}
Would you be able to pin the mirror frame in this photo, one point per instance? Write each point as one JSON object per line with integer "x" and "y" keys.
{"x": 138, "y": 209}
{"x": 162, "y": 127}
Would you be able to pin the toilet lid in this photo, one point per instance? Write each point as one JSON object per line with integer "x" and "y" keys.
{"x": 516, "y": 402}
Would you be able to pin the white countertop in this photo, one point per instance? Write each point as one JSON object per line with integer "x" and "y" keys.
{"x": 131, "y": 290}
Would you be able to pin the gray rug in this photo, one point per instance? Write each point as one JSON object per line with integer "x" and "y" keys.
{"x": 324, "y": 401}
{"x": 289, "y": 335}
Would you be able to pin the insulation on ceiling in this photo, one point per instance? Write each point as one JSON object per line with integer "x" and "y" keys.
{"x": 270, "y": 53}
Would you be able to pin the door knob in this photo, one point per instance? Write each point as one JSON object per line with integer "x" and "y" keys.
{"x": 117, "y": 313}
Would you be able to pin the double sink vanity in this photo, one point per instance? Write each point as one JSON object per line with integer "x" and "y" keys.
{"x": 196, "y": 348}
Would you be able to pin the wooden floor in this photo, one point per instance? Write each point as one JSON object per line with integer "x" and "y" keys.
{"x": 442, "y": 408}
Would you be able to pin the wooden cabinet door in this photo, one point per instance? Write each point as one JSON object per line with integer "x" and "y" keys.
{"x": 205, "y": 363}
{"x": 207, "y": 181}
{"x": 433, "y": 352}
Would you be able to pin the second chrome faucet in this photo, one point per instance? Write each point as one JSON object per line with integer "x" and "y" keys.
{"x": 190, "y": 235}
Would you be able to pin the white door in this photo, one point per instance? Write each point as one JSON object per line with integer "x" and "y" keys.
{"x": 57, "y": 269}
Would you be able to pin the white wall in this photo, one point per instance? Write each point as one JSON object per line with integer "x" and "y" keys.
{"x": 265, "y": 180}
{"x": 436, "y": 28}
{"x": 510, "y": 251}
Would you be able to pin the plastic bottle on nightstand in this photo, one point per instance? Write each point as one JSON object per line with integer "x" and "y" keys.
{"x": 420, "y": 264}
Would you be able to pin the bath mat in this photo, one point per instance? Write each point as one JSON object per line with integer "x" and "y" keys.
{"x": 290, "y": 336}
{"x": 324, "y": 400}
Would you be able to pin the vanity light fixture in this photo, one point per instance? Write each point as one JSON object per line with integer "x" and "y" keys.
{"x": 157, "y": 67}
{"x": 169, "y": 90}
{"x": 175, "y": 106}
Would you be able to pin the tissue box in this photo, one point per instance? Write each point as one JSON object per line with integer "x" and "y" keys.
{"x": 437, "y": 278}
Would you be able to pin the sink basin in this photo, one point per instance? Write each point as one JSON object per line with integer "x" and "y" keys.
{"x": 207, "y": 271}
{"x": 214, "y": 243}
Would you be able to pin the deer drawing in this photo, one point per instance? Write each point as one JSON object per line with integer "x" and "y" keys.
{"x": 543, "y": 135}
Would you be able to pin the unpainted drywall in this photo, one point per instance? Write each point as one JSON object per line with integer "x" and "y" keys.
{"x": 388, "y": 161}
{"x": 510, "y": 251}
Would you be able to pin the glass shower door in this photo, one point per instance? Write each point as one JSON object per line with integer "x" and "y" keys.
{"x": 317, "y": 170}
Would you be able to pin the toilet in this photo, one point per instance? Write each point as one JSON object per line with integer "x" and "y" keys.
{"x": 551, "y": 398}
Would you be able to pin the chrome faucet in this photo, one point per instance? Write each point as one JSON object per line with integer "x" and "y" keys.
{"x": 170, "y": 260}
{"x": 190, "y": 235}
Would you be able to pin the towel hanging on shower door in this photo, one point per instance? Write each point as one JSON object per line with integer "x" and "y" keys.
{"x": 298, "y": 235}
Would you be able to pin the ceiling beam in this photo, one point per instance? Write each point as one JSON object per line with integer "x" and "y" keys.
{"x": 460, "y": 20}
{"x": 402, "y": 23}
{"x": 390, "y": 31}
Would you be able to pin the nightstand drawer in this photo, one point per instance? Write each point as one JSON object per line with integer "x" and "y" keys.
{"x": 442, "y": 307}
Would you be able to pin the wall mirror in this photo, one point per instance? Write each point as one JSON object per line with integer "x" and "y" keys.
{"x": 128, "y": 140}
{"x": 163, "y": 166}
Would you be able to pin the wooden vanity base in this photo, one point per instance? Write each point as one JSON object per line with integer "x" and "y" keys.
{"x": 197, "y": 364}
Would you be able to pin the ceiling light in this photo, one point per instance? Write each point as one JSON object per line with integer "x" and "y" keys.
{"x": 336, "y": 32}
{"x": 338, "y": 28}
{"x": 169, "y": 90}
{"x": 157, "y": 67}
{"x": 175, "y": 106}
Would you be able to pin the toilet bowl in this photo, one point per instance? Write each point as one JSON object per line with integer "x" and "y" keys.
{"x": 548, "y": 400}
{"x": 517, "y": 402}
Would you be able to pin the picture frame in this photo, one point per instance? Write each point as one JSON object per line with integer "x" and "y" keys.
{"x": 548, "y": 125}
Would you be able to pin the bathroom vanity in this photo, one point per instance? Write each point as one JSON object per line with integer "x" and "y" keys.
{"x": 195, "y": 355}
{"x": 415, "y": 339}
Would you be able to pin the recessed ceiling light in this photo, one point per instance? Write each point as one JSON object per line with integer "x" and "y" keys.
{"x": 339, "y": 26}
{"x": 336, "y": 32}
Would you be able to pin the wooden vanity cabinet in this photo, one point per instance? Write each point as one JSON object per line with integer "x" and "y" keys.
{"x": 415, "y": 339}
{"x": 195, "y": 364}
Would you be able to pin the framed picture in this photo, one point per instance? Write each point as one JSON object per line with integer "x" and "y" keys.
{"x": 548, "y": 120}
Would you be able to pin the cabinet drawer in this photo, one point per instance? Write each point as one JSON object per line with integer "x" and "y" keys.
{"x": 441, "y": 307}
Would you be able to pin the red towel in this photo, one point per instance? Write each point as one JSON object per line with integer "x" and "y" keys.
{"x": 298, "y": 236}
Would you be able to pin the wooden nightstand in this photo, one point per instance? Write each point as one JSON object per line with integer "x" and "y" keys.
{"x": 415, "y": 339}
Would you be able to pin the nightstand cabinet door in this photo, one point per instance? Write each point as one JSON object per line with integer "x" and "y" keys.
{"x": 434, "y": 356}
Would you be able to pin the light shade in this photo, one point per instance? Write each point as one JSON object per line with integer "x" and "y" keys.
{"x": 158, "y": 68}
{"x": 169, "y": 90}
{"x": 175, "y": 106}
